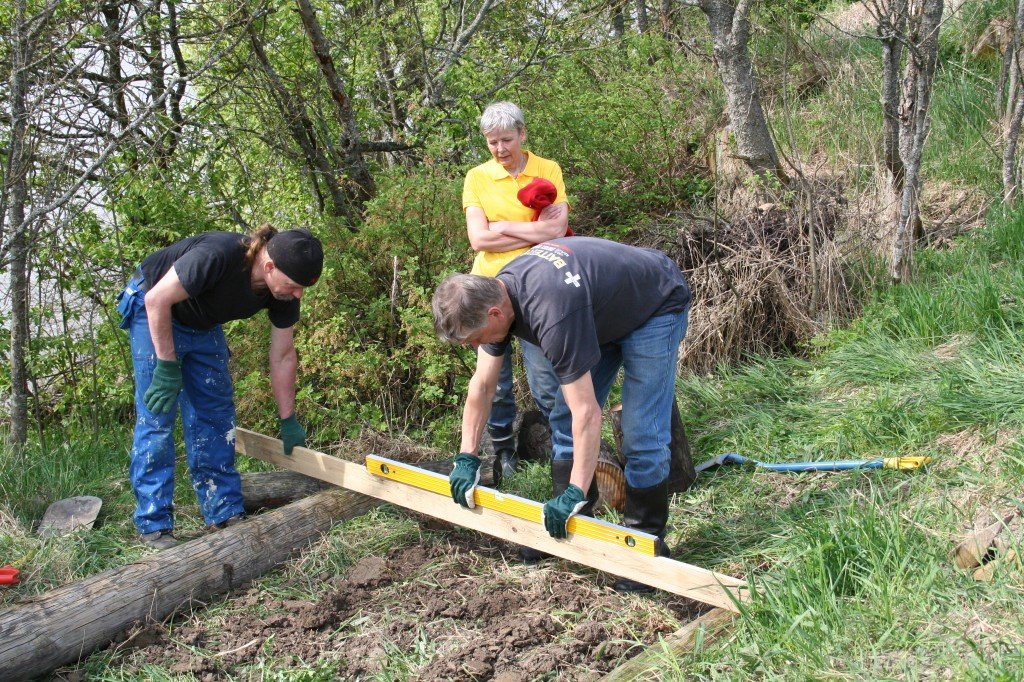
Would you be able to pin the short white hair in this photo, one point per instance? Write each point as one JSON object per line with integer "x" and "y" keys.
{"x": 502, "y": 116}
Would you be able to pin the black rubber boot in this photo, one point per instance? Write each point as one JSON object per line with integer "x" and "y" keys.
{"x": 647, "y": 511}
{"x": 507, "y": 460}
{"x": 561, "y": 470}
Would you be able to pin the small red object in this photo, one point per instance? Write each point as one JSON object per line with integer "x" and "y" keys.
{"x": 538, "y": 195}
{"x": 8, "y": 575}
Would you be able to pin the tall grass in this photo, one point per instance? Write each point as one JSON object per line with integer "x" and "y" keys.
{"x": 73, "y": 461}
{"x": 853, "y": 574}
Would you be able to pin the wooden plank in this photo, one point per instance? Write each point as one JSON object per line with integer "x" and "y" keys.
{"x": 66, "y": 624}
{"x": 513, "y": 505}
{"x": 659, "y": 572}
{"x": 646, "y": 665}
{"x": 972, "y": 550}
{"x": 1008, "y": 560}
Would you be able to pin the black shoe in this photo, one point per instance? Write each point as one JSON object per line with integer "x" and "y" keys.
{"x": 507, "y": 460}
{"x": 159, "y": 539}
{"x": 631, "y": 587}
{"x": 647, "y": 511}
{"x": 636, "y": 587}
{"x": 233, "y": 521}
{"x": 531, "y": 556}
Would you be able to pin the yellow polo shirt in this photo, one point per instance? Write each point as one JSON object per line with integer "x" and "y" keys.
{"x": 490, "y": 187}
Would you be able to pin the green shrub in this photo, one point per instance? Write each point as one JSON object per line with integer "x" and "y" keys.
{"x": 368, "y": 352}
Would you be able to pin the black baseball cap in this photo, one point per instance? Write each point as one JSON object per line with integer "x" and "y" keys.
{"x": 298, "y": 254}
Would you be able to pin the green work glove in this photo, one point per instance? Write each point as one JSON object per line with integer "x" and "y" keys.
{"x": 557, "y": 512}
{"x": 162, "y": 393}
{"x": 464, "y": 478}
{"x": 292, "y": 434}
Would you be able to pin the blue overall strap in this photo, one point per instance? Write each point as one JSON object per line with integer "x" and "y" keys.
{"x": 126, "y": 299}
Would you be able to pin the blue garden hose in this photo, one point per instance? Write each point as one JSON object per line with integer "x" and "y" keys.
{"x": 903, "y": 463}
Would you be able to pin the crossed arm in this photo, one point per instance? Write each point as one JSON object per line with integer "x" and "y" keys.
{"x": 507, "y": 235}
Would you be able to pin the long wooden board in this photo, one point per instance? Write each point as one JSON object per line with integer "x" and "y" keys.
{"x": 659, "y": 572}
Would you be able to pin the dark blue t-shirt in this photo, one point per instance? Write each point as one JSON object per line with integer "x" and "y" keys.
{"x": 572, "y": 295}
{"x": 212, "y": 268}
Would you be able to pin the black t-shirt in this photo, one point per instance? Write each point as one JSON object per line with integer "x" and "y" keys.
{"x": 572, "y": 295}
{"x": 212, "y": 268}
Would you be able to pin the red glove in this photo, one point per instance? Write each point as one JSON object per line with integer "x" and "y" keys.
{"x": 8, "y": 575}
{"x": 538, "y": 195}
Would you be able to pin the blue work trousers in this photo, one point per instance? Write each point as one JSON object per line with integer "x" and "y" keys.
{"x": 543, "y": 387}
{"x": 208, "y": 419}
{"x": 648, "y": 357}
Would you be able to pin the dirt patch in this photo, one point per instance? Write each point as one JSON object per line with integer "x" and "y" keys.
{"x": 952, "y": 348}
{"x": 460, "y": 608}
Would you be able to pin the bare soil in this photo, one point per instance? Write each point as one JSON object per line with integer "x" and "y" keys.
{"x": 457, "y": 607}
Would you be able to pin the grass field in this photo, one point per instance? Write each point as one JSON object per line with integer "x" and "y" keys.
{"x": 854, "y": 569}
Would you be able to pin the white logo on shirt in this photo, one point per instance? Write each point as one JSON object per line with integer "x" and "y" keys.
{"x": 572, "y": 279}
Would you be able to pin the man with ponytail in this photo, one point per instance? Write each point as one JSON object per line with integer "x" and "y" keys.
{"x": 173, "y": 309}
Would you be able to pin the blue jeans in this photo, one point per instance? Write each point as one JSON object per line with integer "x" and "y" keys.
{"x": 208, "y": 417}
{"x": 648, "y": 356}
{"x": 543, "y": 386}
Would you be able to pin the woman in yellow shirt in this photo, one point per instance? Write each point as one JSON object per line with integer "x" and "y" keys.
{"x": 501, "y": 228}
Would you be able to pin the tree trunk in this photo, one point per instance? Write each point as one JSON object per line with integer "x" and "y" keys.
{"x": 1011, "y": 174}
{"x": 302, "y": 131}
{"x": 922, "y": 53}
{"x": 665, "y": 18}
{"x": 272, "y": 489}
{"x": 361, "y": 188}
{"x": 618, "y": 20}
{"x": 17, "y": 190}
{"x": 65, "y": 625}
{"x": 891, "y": 24}
{"x": 730, "y": 33}
{"x": 1011, "y": 67}
{"x": 114, "y": 59}
{"x": 641, "y": 16}
{"x": 1008, "y": 64}
{"x": 1015, "y": 104}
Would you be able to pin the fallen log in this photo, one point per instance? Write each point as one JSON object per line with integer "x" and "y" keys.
{"x": 681, "y": 642}
{"x": 273, "y": 489}
{"x": 66, "y": 624}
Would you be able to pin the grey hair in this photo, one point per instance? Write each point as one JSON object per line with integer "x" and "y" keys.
{"x": 460, "y": 305}
{"x": 502, "y": 116}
